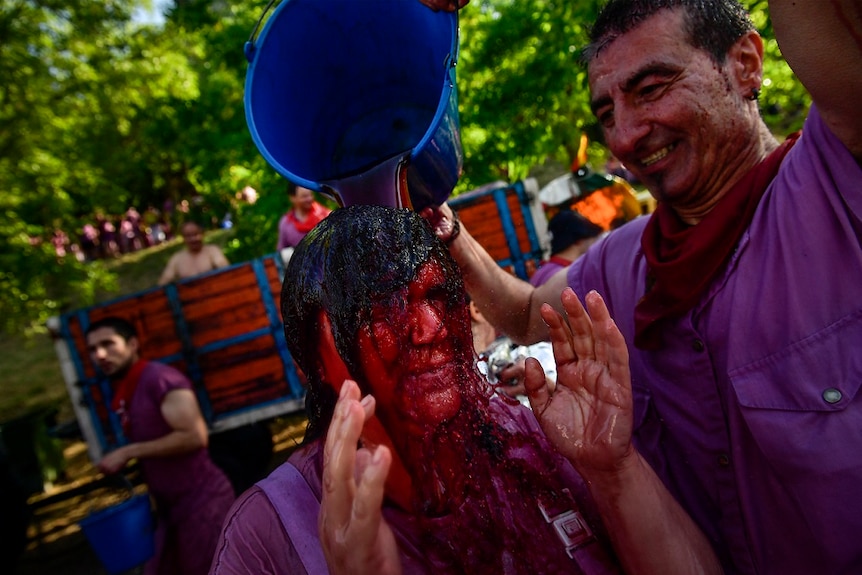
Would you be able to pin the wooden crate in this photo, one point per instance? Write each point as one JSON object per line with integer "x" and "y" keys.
{"x": 222, "y": 329}
{"x": 508, "y": 221}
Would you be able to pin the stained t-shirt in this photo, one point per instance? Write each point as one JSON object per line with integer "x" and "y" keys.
{"x": 255, "y": 541}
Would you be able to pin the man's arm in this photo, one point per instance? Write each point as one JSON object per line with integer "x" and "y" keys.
{"x": 217, "y": 257}
{"x": 588, "y": 418}
{"x": 169, "y": 274}
{"x": 512, "y": 305}
{"x": 822, "y": 42}
{"x": 189, "y": 432}
{"x": 448, "y": 5}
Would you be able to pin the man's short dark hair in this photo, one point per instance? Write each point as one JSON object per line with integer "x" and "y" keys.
{"x": 346, "y": 263}
{"x": 712, "y": 25}
{"x": 121, "y": 327}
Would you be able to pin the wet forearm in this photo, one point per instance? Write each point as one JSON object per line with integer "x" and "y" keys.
{"x": 503, "y": 298}
{"x": 650, "y": 531}
{"x": 174, "y": 443}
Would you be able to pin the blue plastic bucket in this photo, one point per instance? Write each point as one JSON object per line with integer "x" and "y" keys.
{"x": 122, "y": 535}
{"x": 354, "y": 98}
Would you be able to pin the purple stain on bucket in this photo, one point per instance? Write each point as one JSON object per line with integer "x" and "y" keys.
{"x": 357, "y": 99}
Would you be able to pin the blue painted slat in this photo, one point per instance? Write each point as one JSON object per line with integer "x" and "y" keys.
{"x": 500, "y": 199}
{"x": 193, "y": 368}
{"x": 276, "y": 326}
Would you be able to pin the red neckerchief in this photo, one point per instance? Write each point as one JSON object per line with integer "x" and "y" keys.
{"x": 560, "y": 261}
{"x": 125, "y": 390}
{"x": 683, "y": 259}
{"x": 317, "y": 213}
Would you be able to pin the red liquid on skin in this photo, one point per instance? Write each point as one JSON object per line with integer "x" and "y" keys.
{"x": 481, "y": 488}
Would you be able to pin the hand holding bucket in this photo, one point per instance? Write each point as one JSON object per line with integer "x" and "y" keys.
{"x": 357, "y": 99}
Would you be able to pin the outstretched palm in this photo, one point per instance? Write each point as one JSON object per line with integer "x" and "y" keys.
{"x": 588, "y": 415}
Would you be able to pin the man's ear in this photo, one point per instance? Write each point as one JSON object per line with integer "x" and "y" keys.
{"x": 746, "y": 57}
{"x": 475, "y": 314}
{"x": 333, "y": 369}
{"x": 135, "y": 346}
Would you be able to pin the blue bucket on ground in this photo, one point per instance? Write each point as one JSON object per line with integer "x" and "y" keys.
{"x": 122, "y": 535}
{"x": 355, "y": 98}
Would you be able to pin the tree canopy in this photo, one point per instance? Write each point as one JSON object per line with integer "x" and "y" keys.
{"x": 100, "y": 111}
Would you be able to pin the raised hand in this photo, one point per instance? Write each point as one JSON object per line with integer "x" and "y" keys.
{"x": 443, "y": 221}
{"x": 356, "y": 539}
{"x": 447, "y": 5}
{"x": 588, "y": 416}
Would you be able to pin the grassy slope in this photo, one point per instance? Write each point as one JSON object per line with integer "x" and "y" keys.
{"x": 30, "y": 376}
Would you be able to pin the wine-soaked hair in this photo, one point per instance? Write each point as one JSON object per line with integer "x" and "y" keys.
{"x": 711, "y": 25}
{"x": 352, "y": 258}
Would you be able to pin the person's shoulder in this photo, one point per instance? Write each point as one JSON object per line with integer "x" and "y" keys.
{"x": 175, "y": 257}
{"x": 252, "y": 536}
{"x": 612, "y": 264}
{"x": 252, "y": 505}
{"x": 308, "y": 460}
{"x": 616, "y": 245}
{"x": 165, "y": 378}
{"x": 160, "y": 368}
{"x": 512, "y": 414}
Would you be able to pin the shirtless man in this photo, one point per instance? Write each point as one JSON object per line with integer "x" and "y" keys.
{"x": 195, "y": 258}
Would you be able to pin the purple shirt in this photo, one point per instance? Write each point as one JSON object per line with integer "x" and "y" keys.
{"x": 544, "y": 273}
{"x": 288, "y": 235}
{"x": 192, "y": 495}
{"x": 750, "y": 412}
{"x": 254, "y": 540}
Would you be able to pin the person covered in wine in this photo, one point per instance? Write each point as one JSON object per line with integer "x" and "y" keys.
{"x": 448, "y": 477}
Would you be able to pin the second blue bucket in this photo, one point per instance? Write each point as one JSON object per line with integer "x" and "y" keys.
{"x": 122, "y": 535}
{"x": 356, "y": 97}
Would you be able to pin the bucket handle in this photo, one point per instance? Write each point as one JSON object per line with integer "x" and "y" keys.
{"x": 120, "y": 480}
{"x": 248, "y": 48}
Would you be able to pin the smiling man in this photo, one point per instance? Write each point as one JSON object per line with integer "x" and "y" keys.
{"x": 739, "y": 296}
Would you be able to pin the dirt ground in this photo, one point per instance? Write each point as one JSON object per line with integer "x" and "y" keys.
{"x": 57, "y": 545}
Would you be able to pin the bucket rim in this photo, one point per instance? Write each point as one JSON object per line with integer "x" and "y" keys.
{"x": 101, "y": 514}
{"x": 251, "y": 52}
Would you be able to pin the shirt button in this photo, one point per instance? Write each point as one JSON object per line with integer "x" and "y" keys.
{"x": 832, "y": 395}
{"x": 723, "y": 460}
{"x": 697, "y": 345}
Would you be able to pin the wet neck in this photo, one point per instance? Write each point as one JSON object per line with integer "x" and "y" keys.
{"x": 725, "y": 178}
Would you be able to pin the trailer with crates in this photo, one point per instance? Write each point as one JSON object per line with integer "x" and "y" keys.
{"x": 222, "y": 329}
{"x": 509, "y": 221}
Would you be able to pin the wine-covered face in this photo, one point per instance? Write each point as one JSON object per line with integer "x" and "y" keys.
{"x": 416, "y": 351}
{"x": 396, "y": 315}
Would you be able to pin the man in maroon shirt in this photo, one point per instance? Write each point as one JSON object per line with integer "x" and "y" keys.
{"x": 168, "y": 435}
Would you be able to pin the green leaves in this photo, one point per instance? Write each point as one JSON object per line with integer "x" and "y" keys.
{"x": 524, "y": 96}
{"x": 99, "y": 112}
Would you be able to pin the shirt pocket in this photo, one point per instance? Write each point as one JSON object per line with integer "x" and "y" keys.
{"x": 802, "y": 404}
